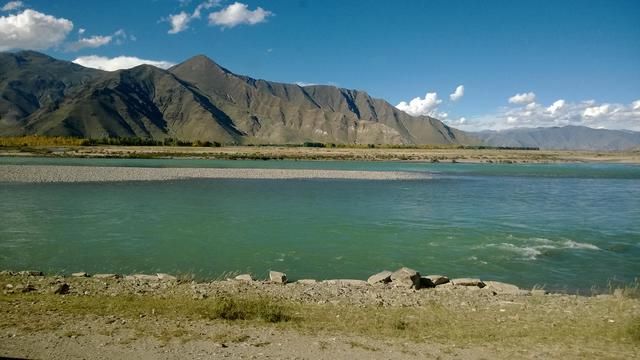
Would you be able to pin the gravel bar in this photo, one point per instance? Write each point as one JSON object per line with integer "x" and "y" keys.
{"x": 48, "y": 173}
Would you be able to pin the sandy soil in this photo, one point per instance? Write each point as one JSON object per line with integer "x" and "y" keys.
{"x": 276, "y": 152}
{"x": 125, "y": 318}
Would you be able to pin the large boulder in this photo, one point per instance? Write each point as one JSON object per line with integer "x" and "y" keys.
{"x": 244, "y": 277}
{"x": 277, "y": 277}
{"x": 166, "y": 277}
{"x": 307, "y": 281}
{"x": 106, "y": 276}
{"x": 382, "y": 277}
{"x": 437, "y": 279}
{"x": 468, "y": 282}
{"x": 406, "y": 278}
{"x": 80, "y": 274}
{"x": 500, "y": 288}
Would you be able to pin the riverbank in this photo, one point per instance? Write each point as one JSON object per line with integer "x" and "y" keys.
{"x": 166, "y": 317}
{"x": 304, "y": 153}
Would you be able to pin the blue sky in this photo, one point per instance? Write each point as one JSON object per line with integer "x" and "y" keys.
{"x": 582, "y": 56}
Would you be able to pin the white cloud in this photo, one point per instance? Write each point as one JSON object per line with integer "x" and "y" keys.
{"x": 523, "y": 98}
{"x": 12, "y": 5}
{"x": 560, "y": 113}
{"x": 556, "y": 106}
{"x": 81, "y": 31}
{"x": 119, "y": 62}
{"x": 32, "y": 30}
{"x": 180, "y": 22}
{"x": 421, "y": 106}
{"x": 303, "y": 84}
{"x": 596, "y": 111}
{"x": 238, "y": 14}
{"x": 96, "y": 40}
{"x": 457, "y": 94}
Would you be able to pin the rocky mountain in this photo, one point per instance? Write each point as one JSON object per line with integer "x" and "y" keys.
{"x": 563, "y": 138}
{"x": 197, "y": 100}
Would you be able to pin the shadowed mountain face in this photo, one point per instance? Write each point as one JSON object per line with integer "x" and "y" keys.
{"x": 563, "y": 138}
{"x": 196, "y": 100}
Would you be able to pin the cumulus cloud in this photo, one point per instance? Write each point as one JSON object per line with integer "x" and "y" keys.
{"x": 457, "y": 94}
{"x": 421, "y": 106}
{"x": 556, "y": 106}
{"x": 119, "y": 62}
{"x": 12, "y": 5}
{"x": 238, "y": 14}
{"x": 523, "y": 98}
{"x": 32, "y": 30}
{"x": 559, "y": 113}
{"x": 96, "y": 40}
{"x": 180, "y": 22}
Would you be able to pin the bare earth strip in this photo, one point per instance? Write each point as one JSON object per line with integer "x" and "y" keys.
{"x": 360, "y": 154}
{"x": 46, "y": 173}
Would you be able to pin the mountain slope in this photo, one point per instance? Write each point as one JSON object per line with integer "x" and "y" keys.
{"x": 196, "y": 100}
{"x": 562, "y": 138}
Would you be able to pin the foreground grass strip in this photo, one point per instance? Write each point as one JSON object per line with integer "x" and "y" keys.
{"x": 612, "y": 322}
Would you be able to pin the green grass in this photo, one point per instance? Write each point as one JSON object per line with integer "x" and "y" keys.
{"x": 531, "y": 322}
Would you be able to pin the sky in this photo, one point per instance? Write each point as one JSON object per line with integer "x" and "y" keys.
{"x": 473, "y": 64}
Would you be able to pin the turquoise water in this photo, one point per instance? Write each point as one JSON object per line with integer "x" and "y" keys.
{"x": 565, "y": 226}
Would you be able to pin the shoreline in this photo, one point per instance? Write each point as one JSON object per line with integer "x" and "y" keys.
{"x": 345, "y": 154}
{"x": 152, "y": 317}
{"x": 73, "y": 174}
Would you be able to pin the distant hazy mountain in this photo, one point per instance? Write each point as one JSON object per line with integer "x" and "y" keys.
{"x": 196, "y": 100}
{"x": 562, "y": 138}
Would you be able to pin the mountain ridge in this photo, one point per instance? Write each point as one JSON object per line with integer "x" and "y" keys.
{"x": 197, "y": 100}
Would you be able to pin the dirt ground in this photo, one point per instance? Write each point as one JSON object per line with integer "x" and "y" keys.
{"x": 364, "y": 154}
{"x": 152, "y": 319}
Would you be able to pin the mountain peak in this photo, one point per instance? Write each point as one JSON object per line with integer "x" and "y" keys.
{"x": 200, "y": 63}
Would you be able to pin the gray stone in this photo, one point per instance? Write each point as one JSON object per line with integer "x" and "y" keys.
{"x": 307, "y": 281}
{"x": 25, "y": 288}
{"x": 61, "y": 289}
{"x": 539, "y": 292}
{"x": 437, "y": 279}
{"x": 346, "y": 282}
{"x": 143, "y": 277}
{"x": 407, "y": 278}
{"x": 30, "y": 273}
{"x": 166, "y": 277}
{"x": 244, "y": 277}
{"x": 106, "y": 276}
{"x": 382, "y": 277}
{"x": 498, "y": 287}
{"x": 468, "y": 282}
{"x": 277, "y": 277}
{"x": 80, "y": 274}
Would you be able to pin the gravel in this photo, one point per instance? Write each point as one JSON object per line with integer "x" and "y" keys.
{"x": 48, "y": 173}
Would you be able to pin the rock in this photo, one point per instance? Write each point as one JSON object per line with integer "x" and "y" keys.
{"x": 406, "y": 277}
{"x": 277, "y": 277}
{"x": 5, "y": 273}
{"x": 30, "y": 273}
{"x": 80, "y": 274}
{"x": 8, "y": 286}
{"x": 61, "y": 289}
{"x": 143, "y": 277}
{"x": 382, "y": 277}
{"x": 539, "y": 292}
{"x": 498, "y": 287}
{"x": 244, "y": 277}
{"x": 25, "y": 288}
{"x": 425, "y": 282}
{"x": 307, "y": 281}
{"x": 437, "y": 279}
{"x": 166, "y": 277}
{"x": 468, "y": 282}
{"x": 106, "y": 276}
{"x": 346, "y": 282}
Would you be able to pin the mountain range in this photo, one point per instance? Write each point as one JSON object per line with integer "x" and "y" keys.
{"x": 197, "y": 100}
{"x": 200, "y": 100}
{"x": 562, "y": 138}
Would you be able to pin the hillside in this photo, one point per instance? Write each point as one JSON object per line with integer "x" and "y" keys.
{"x": 563, "y": 138}
{"x": 196, "y": 100}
